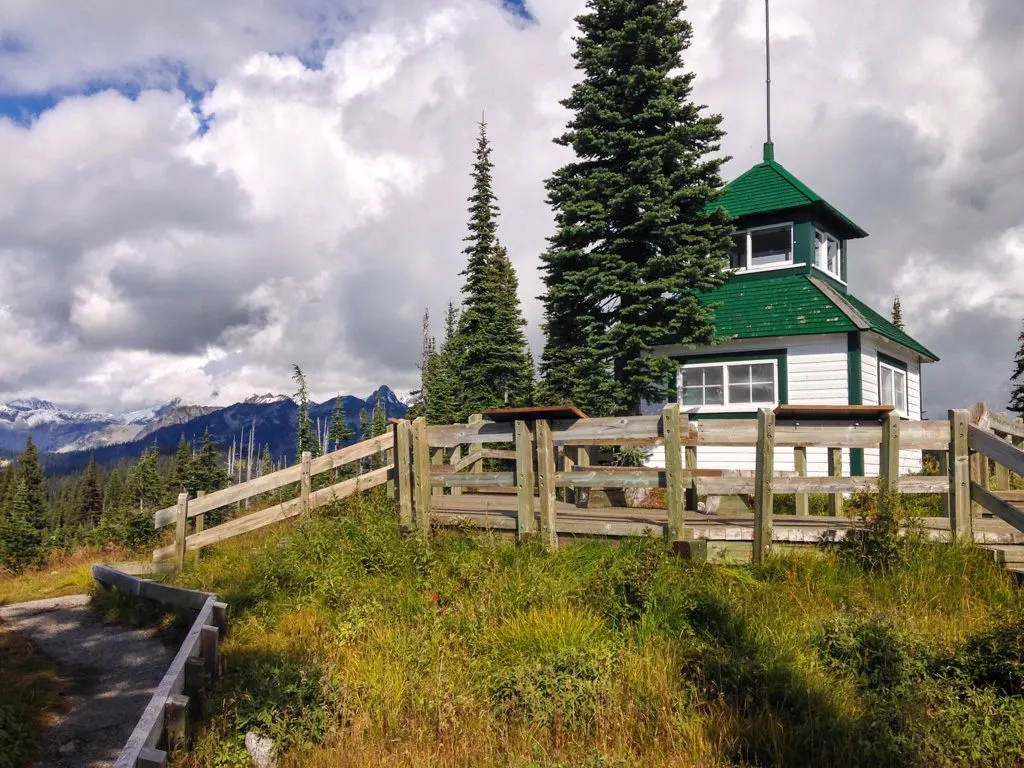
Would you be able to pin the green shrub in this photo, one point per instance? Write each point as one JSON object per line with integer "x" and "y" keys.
{"x": 285, "y": 700}
{"x": 875, "y": 652}
{"x": 995, "y": 658}
{"x": 623, "y": 586}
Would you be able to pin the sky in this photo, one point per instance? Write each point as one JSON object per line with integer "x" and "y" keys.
{"x": 196, "y": 195}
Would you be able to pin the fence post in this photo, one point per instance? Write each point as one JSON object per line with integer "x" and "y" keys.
{"x": 960, "y": 523}
{"x": 691, "y": 463}
{"x": 835, "y": 469}
{"x": 180, "y": 531}
{"x": 403, "y": 473}
{"x": 478, "y": 465}
{"x": 889, "y": 459}
{"x": 200, "y": 519}
{"x": 436, "y": 460}
{"x": 944, "y": 502}
{"x": 456, "y": 455}
{"x": 392, "y": 486}
{"x": 524, "y": 480}
{"x": 582, "y": 460}
{"x": 800, "y": 465}
{"x": 764, "y": 469}
{"x": 176, "y": 721}
{"x": 568, "y": 462}
{"x": 546, "y": 484}
{"x": 305, "y": 482}
{"x": 421, "y": 470}
{"x": 675, "y": 490}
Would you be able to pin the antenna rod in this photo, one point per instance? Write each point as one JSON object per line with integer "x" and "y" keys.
{"x": 768, "y": 70}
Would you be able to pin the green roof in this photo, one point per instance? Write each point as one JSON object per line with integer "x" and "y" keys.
{"x": 769, "y": 188}
{"x": 796, "y": 305}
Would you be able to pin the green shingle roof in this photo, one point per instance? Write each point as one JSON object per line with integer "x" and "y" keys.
{"x": 794, "y": 306}
{"x": 769, "y": 188}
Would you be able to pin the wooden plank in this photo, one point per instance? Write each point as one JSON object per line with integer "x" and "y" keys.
{"x": 477, "y": 466}
{"x": 959, "y": 474}
{"x": 176, "y": 721}
{"x": 609, "y": 430}
{"x": 598, "y": 477}
{"x": 454, "y": 459}
{"x": 764, "y": 471}
{"x": 916, "y": 435}
{"x": 305, "y": 481}
{"x": 889, "y": 457}
{"x": 180, "y": 532}
{"x": 472, "y": 460}
{"x": 1003, "y": 424}
{"x": 675, "y": 495}
{"x": 200, "y": 518}
{"x": 471, "y": 480}
{"x": 546, "y": 483}
{"x": 1001, "y": 509}
{"x": 930, "y": 435}
{"x": 690, "y": 500}
{"x": 436, "y": 461}
{"x": 151, "y": 758}
{"x": 944, "y": 472}
{"x": 421, "y": 472}
{"x": 232, "y": 495}
{"x": 361, "y": 450}
{"x": 730, "y": 486}
{"x": 403, "y": 472}
{"x": 835, "y": 470}
{"x": 800, "y": 465}
{"x": 994, "y": 448}
{"x": 350, "y": 487}
{"x": 524, "y": 480}
{"x": 1017, "y": 496}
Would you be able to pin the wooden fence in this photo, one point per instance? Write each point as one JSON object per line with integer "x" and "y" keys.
{"x": 179, "y": 695}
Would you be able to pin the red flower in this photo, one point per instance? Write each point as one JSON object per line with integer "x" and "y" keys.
{"x": 434, "y": 597}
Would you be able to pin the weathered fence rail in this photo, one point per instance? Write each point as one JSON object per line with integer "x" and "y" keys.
{"x": 180, "y": 692}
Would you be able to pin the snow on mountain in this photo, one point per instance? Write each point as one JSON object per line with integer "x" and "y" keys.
{"x": 266, "y": 399}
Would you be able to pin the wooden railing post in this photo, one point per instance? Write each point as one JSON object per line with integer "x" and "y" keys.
{"x": 456, "y": 455}
{"x": 436, "y": 460}
{"x": 691, "y": 463}
{"x": 764, "y": 470}
{"x": 546, "y": 484}
{"x": 802, "y": 505}
{"x": 403, "y": 473}
{"x": 478, "y": 465}
{"x": 582, "y": 460}
{"x": 305, "y": 482}
{"x": 675, "y": 489}
{"x": 835, "y": 469}
{"x": 960, "y": 523}
{"x": 176, "y": 721}
{"x": 200, "y": 519}
{"x": 180, "y": 531}
{"x": 421, "y": 471}
{"x": 568, "y": 462}
{"x": 524, "y": 481}
{"x": 944, "y": 502}
{"x": 889, "y": 459}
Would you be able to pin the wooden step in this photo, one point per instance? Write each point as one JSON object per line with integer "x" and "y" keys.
{"x": 1006, "y": 554}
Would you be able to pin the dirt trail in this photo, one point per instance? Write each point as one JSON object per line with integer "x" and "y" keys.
{"x": 114, "y": 672}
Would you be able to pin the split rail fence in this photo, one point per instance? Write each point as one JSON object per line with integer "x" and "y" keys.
{"x": 544, "y": 455}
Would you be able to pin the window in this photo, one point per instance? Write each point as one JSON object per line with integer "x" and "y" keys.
{"x": 892, "y": 387}
{"x": 724, "y": 384}
{"x": 762, "y": 247}
{"x": 828, "y": 255}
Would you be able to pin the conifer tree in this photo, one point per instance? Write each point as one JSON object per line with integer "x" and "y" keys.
{"x": 268, "y": 463}
{"x": 31, "y": 475}
{"x": 207, "y": 472}
{"x": 116, "y": 496}
{"x": 145, "y": 486}
{"x": 181, "y": 469}
{"x": 306, "y": 439}
{"x": 365, "y": 427}
{"x": 90, "y": 501}
{"x": 897, "y": 313}
{"x": 7, "y": 484}
{"x": 636, "y": 238}
{"x": 339, "y": 432}
{"x": 1017, "y": 393}
{"x": 20, "y": 541}
{"x": 445, "y": 405}
{"x": 429, "y": 349}
{"x": 512, "y": 368}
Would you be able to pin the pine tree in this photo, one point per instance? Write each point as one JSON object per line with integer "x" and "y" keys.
{"x": 90, "y": 500}
{"x": 306, "y": 439}
{"x": 897, "y": 313}
{"x": 181, "y": 469}
{"x": 429, "y": 349}
{"x": 1017, "y": 393}
{"x": 339, "y": 432}
{"x": 512, "y": 368}
{"x": 116, "y": 496}
{"x": 145, "y": 486}
{"x": 20, "y": 541}
{"x": 207, "y": 472}
{"x": 636, "y": 237}
{"x": 445, "y": 405}
{"x": 379, "y": 422}
{"x": 30, "y": 473}
{"x": 7, "y": 484}
{"x": 365, "y": 426}
{"x": 268, "y": 463}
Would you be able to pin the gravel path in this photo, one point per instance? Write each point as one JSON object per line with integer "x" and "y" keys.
{"x": 114, "y": 670}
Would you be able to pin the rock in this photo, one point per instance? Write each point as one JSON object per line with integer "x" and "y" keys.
{"x": 69, "y": 747}
{"x": 261, "y": 750}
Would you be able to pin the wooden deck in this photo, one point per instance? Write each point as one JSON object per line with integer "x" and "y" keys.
{"x": 498, "y": 512}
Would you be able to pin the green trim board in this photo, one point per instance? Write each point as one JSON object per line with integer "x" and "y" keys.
{"x": 855, "y": 392}
{"x": 780, "y": 356}
{"x": 894, "y": 362}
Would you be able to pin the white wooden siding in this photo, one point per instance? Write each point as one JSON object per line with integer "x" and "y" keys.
{"x": 910, "y": 461}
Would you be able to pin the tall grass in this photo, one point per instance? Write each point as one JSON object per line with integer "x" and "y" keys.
{"x": 354, "y": 646}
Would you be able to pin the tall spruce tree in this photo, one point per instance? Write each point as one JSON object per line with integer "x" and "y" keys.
{"x": 181, "y": 469}
{"x": 636, "y": 237}
{"x": 512, "y": 364}
{"x": 145, "y": 485}
{"x": 20, "y": 541}
{"x": 306, "y": 438}
{"x": 429, "y": 349}
{"x": 30, "y": 473}
{"x": 90, "y": 500}
{"x": 1017, "y": 393}
{"x": 207, "y": 472}
{"x": 445, "y": 405}
{"x": 116, "y": 496}
{"x": 897, "y": 313}
{"x": 268, "y": 462}
{"x": 339, "y": 432}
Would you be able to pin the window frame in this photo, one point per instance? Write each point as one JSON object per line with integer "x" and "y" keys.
{"x": 788, "y": 264}
{"x": 895, "y": 367}
{"x": 778, "y": 368}
{"x": 820, "y": 260}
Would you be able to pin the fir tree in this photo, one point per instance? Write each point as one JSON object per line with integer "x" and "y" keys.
{"x": 90, "y": 500}
{"x": 116, "y": 496}
{"x": 7, "y": 484}
{"x": 268, "y": 463}
{"x": 512, "y": 366}
{"x": 306, "y": 439}
{"x": 445, "y": 405}
{"x": 636, "y": 237}
{"x": 20, "y": 541}
{"x": 30, "y": 473}
{"x": 365, "y": 427}
{"x": 429, "y": 349}
{"x": 181, "y": 469}
{"x": 207, "y": 472}
{"x": 897, "y": 313}
{"x": 145, "y": 486}
{"x": 339, "y": 432}
{"x": 1017, "y": 393}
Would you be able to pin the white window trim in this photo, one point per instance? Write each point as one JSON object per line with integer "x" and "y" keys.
{"x": 727, "y": 408}
{"x": 842, "y": 256}
{"x": 788, "y": 264}
{"x": 906, "y": 387}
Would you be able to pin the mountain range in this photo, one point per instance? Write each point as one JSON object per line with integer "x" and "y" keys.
{"x": 67, "y": 438}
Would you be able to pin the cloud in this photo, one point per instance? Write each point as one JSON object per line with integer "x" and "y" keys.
{"x": 273, "y": 182}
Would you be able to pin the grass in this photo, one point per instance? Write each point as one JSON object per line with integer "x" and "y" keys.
{"x": 63, "y": 574}
{"x": 354, "y": 646}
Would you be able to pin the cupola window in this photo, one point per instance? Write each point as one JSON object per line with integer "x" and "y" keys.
{"x": 762, "y": 247}
{"x": 828, "y": 254}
